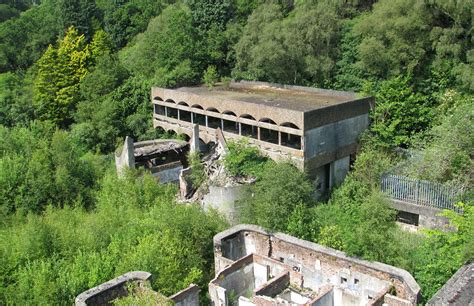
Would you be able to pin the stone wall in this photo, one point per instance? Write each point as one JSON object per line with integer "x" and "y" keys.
{"x": 113, "y": 289}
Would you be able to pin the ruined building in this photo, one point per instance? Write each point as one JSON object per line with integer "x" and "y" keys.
{"x": 316, "y": 129}
{"x": 255, "y": 267}
{"x": 163, "y": 158}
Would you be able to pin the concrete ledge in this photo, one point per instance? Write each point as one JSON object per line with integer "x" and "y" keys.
{"x": 108, "y": 291}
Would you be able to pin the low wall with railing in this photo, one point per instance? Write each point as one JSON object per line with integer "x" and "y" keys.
{"x": 420, "y": 192}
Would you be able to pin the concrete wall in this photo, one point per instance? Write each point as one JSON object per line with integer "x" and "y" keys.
{"x": 125, "y": 158}
{"x": 429, "y": 217}
{"x": 187, "y": 297}
{"x": 168, "y": 175}
{"x": 223, "y": 199}
{"x": 333, "y": 141}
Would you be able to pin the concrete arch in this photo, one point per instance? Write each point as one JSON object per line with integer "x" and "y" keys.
{"x": 157, "y": 98}
{"x": 183, "y": 103}
{"x": 247, "y": 116}
{"x": 267, "y": 120}
{"x": 212, "y": 109}
{"x": 290, "y": 125}
{"x": 170, "y": 101}
{"x": 197, "y": 106}
{"x": 229, "y": 113}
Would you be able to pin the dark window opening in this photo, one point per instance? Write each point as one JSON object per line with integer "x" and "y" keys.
{"x": 249, "y": 130}
{"x": 172, "y": 113}
{"x": 213, "y": 122}
{"x": 159, "y": 109}
{"x": 185, "y": 115}
{"x": 231, "y": 126}
{"x": 327, "y": 176}
{"x": 199, "y": 119}
{"x": 356, "y": 281}
{"x": 268, "y": 135}
{"x": 290, "y": 140}
{"x": 408, "y": 218}
{"x": 343, "y": 280}
{"x": 290, "y": 125}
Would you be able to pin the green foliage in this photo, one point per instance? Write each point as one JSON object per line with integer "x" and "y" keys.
{"x": 198, "y": 175}
{"x": 280, "y": 189}
{"x": 446, "y": 155}
{"x": 166, "y": 48}
{"x": 210, "y": 76}
{"x": 15, "y": 101}
{"x": 59, "y": 72}
{"x": 441, "y": 255}
{"x": 400, "y": 113}
{"x": 243, "y": 160}
{"x": 142, "y": 296}
{"x": 36, "y": 171}
{"x": 398, "y": 44}
{"x": 49, "y": 259}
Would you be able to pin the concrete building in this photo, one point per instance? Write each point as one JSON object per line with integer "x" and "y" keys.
{"x": 255, "y": 267}
{"x": 458, "y": 290}
{"x": 317, "y": 129}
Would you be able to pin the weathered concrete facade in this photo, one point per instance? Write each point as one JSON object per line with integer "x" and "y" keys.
{"x": 106, "y": 293}
{"x": 255, "y": 267}
{"x": 312, "y": 127}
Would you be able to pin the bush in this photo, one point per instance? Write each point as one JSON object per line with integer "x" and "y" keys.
{"x": 243, "y": 160}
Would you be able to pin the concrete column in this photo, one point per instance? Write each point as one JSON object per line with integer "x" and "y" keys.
{"x": 258, "y": 133}
{"x": 279, "y": 138}
{"x": 192, "y": 117}
{"x": 207, "y": 124}
{"x": 166, "y": 111}
{"x": 179, "y": 114}
{"x": 194, "y": 141}
{"x": 240, "y": 128}
{"x": 222, "y": 124}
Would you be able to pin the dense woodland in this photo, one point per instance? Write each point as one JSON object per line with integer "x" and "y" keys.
{"x": 75, "y": 77}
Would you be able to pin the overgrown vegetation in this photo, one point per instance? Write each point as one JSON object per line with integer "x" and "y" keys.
{"x": 72, "y": 85}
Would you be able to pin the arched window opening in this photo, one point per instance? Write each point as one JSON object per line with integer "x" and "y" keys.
{"x": 267, "y": 120}
{"x": 157, "y": 99}
{"x": 229, "y": 113}
{"x": 170, "y": 101}
{"x": 199, "y": 119}
{"x": 184, "y": 115}
{"x": 159, "y": 109}
{"x": 231, "y": 126}
{"x": 172, "y": 112}
{"x": 212, "y": 109}
{"x": 247, "y": 116}
{"x": 183, "y": 103}
{"x": 290, "y": 125}
{"x": 213, "y": 122}
{"x": 269, "y": 135}
{"x": 290, "y": 140}
{"x": 197, "y": 106}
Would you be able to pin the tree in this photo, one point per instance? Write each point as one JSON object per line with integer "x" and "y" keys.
{"x": 281, "y": 188}
{"x": 166, "y": 50}
{"x": 56, "y": 87}
{"x": 400, "y": 113}
{"x": 394, "y": 38}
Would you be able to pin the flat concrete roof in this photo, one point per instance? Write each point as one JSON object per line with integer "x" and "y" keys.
{"x": 297, "y": 98}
